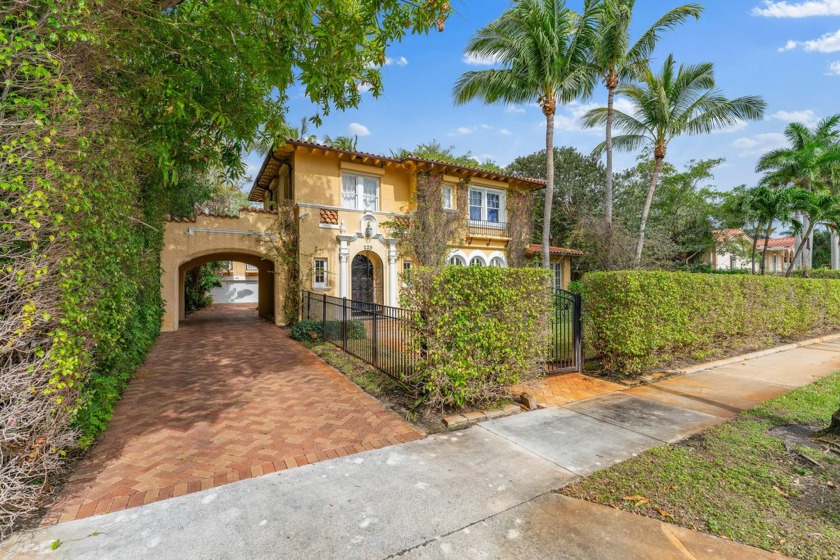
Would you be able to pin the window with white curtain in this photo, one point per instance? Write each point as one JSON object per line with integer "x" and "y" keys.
{"x": 359, "y": 192}
{"x": 448, "y": 201}
{"x": 486, "y": 205}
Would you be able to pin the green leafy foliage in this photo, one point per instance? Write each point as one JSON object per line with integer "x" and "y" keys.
{"x": 641, "y": 320}
{"x": 480, "y": 329}
{"x": 826, "y": 273}
{"x": 311, "y": 331}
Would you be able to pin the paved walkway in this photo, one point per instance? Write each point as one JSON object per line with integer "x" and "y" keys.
{"x": 225, "y": 398}
{"x": 484, "y": 492}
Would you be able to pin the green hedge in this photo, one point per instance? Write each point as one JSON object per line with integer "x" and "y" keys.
{"x": 641, "y": 320}
{"x": 313, "y": 330}
{"x": 480, "y": 329}
{"x": 824, "y": 273}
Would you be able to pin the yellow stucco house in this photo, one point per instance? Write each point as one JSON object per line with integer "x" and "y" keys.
{"x": 348, "y": 203}
{"x": 345, "y": 206}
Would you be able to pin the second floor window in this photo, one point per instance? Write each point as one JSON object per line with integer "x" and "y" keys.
{"x": 486, "y": 205}
{"x": 448, "y": 202}
{"x": 320, "y": 273}
{"x": 360, "y": 192}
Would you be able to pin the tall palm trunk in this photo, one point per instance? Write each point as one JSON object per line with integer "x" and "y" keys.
{"x": 799, "y": 251}
{"x": 766, "y": 241}
{"x": 548, "y": 110}
{"x": 755, "y": 245}
{"x": 612, "y": 83}
{"x": 657, "y": 169}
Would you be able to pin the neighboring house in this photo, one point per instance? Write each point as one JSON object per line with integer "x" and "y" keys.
{"x": 779, "y": 253}
{"x": 348, "y": 201}
{"x": 733, "y": 248}
{"x": 240, "y": 284}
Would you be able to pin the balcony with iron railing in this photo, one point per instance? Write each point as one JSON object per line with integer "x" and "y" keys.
{"x": 481, "y": 228}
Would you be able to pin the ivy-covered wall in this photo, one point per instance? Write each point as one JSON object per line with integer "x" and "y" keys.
{"x": 481, "y": 329}
{"x": 641, "y": 320}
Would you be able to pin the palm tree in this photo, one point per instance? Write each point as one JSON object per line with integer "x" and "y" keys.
{"x": 821, "y": 208}
{"x": 544, "y": 50}
{"x": 668, "y": 104}
{"x": 616, "y": 61}
{"x": 342, "y": 142}
{"x": 768, "y": 205}
{"x": 809, "y": 162}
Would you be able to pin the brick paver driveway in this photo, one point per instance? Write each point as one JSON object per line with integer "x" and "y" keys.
{"x": 227, "y": 397}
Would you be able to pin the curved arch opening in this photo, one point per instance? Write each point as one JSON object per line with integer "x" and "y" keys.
{"x": 246, "y": 280}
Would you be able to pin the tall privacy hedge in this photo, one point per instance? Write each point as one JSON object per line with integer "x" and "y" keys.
{"x": 641, "y": 320}
{"x": 480, "y": 328}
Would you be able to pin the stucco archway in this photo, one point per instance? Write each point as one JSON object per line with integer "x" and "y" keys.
{"x": 244, "y": 238}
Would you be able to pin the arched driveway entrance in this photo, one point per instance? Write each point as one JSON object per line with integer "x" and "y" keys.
{"x": 207, "y": 238}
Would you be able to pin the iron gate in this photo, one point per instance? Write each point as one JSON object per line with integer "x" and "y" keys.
{"x": 566, "y": 352}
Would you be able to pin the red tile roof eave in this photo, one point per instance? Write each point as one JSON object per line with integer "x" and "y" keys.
{"x": 171, "y": 218}
{"x": 536, "y": 249}
{"x": 536, "y": 183}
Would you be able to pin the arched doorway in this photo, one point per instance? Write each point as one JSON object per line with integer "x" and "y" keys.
{"x": 265, "y": 275}
{"x": 362, "y": 279}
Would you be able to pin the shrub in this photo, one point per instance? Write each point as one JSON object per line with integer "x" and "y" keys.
{"x": 640, "y": 320}
{"x": 307, "y": 331}
{"x": 480, "y": 330}
{"x": 824, "y": 273}
{"x": 311, "y": 330}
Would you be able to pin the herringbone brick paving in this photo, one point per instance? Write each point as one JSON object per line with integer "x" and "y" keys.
{"x": 226, "y": 397}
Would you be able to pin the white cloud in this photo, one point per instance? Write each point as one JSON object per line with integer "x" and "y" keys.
{"x": 808, "y": 8}
{"x": 401, "y": 61}
{"x": 736, "y": 127}
{"x": 504, "y": 132}
{"x": 476, "y": 60}
{"x": 834, "y": 68}
{"x": 514, "y": 109}
{"x": 463, "y": 131}
{"x": 828, "y": 43}
{"x": 806, "y": 116}
{"x": 358, "y": 129}
{"x": 363, "y": 87}
{"x": 758, "y": 144}
{"x": 624, "y": 105}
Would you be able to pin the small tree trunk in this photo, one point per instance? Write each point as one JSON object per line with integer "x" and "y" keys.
{"x": 657, "y": 169}
{"x": 608, "y": 183}
{"x": 833, "y": 428}
{"x": 799, "y": 251}
{"x": 549, "y": 182}
{"x": 755, "y": 245}
{"x": 764, "y": 251}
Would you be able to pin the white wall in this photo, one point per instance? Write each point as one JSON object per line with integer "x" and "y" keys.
{"x": 236, "y": 291}
{"x": 724, "y": 262}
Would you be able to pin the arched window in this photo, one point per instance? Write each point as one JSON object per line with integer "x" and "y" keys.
{"x": 457, "y": 260}
{"x": 476, "y": 261}
{"x": 497, "y": 262}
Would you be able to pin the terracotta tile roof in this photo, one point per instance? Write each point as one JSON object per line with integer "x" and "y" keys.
{"x": 536, "y": 249}
{"x": 779, "y": 242}
{"x": 329, "y": 217}
{"x": 171, "y": 218}
{"x": 722, "y": 235}
{"x": 271, "y": 164}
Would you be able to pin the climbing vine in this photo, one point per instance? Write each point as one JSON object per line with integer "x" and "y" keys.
{"x": 520, "y": 208}
{"x": 431, "y": 229}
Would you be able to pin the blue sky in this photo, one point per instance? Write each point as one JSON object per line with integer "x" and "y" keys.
{"x": 786, "y": 51}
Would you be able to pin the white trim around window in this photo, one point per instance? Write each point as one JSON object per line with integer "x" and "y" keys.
{"x": 486, "y": 205}
{"x": 319, "y": 274}
{"x": 360, "y": 192}
{"x": 448, "y": 197}
{"x": 457, "y": 260}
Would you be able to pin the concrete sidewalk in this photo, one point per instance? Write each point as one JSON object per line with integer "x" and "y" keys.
{"x": 484, "y": 492}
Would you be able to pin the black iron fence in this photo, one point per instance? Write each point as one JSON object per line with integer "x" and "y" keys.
{"x": 385, "y": 336}
{"x": 380, "y": 335}
{"x": 566, "y": 353}
{"x": 488, "y": 229}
